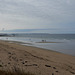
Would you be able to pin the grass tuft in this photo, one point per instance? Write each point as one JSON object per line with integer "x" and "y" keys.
{"x": 14, "y": 73}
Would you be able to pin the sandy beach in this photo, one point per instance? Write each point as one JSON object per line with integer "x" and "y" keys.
{"x": 35, "y": 60}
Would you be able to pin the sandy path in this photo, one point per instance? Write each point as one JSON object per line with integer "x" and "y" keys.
{"x": 36, "y": 60}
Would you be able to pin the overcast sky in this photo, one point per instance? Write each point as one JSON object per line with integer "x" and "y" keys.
{"x": 56, "y": 15}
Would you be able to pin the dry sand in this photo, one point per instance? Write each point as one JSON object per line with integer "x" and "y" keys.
{"x": 35, "y": 60}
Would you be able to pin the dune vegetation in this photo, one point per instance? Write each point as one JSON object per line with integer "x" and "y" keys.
{"x": 15, "y": 73}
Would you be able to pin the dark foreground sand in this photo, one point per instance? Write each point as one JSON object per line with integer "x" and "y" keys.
{"x": 35, "y": 60}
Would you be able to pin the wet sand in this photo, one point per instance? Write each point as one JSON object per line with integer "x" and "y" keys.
{"x": 48, "y": 42}
{"x": 35, "y": 60}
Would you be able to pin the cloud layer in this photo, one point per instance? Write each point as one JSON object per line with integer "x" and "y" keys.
{"x": 37, "y": 14}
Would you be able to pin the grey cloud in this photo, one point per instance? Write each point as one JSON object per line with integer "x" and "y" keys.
{"x": 38, "y": 13}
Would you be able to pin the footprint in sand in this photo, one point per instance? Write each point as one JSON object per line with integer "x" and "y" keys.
{"x": 8, "y": 62}
{"x": 26, "y": 61}
{"x": 47, "y": 65}
{"x": 35, "y": 65}
{"x": 54, "y": 67}
{"x": 20, "y": 59}
{"x": 32, "y": 65}
{"x": 9, "y": 52}
{"x": 72, "y": 72}
{"x": 23, "y": 63}
{"x": 56, "y": 71}
{"x": 52, "y": 73}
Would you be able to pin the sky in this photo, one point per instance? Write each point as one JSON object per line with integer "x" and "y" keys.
{"x": 54, "y": 16}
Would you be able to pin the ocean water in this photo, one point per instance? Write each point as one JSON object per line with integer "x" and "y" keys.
{"x": 65, "y": 43}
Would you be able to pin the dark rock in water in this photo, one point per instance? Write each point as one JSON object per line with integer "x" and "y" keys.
{"x": 47, "y": 65}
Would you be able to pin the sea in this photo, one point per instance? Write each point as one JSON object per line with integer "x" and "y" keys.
{"x": 63, "y": 43}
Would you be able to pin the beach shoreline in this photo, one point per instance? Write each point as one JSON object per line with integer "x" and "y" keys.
{"x": 36, "y": 60}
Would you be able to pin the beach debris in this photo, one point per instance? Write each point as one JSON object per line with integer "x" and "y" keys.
{"x": 47, "y": 65}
